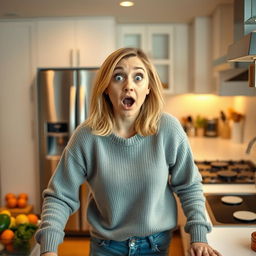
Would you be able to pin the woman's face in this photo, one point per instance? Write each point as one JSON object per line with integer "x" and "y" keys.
{"x": 129, "y": 87}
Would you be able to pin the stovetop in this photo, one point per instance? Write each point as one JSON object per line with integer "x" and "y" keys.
{"x": 221, "y": 213}
{"x": 232, "y": 172}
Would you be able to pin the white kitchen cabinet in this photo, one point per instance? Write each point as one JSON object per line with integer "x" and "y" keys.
{"x": 222, "y": 31}
{"x": 180, "y": 67}
{"x": 156, "y": 41}
{"x": 74, "y": 42}
{"x": 201, "y": 56}
{"x": 17, "y": 148}
{"x": 56, "y": 43}
{"x": 95, "y": 40}
{"x": 222, "y": 37}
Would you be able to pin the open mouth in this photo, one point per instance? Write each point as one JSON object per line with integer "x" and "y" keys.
{"x": 128, "y": 101}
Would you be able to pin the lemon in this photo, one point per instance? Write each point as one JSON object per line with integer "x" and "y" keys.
{"x": 6, "y": 212}
{"x": 21, "y": 219}
{"x": 13, "y": 222}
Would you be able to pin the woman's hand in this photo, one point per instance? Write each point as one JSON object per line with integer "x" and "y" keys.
{"x": 202, "y": 249}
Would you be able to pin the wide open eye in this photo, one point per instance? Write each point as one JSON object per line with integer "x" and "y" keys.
{"x": 118, "y": 77}
{"x": 138, "y": 77}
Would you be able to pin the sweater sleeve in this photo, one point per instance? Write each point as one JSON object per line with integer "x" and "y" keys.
{"x": 61, "y": 199}
{"x": 186, "y": 183}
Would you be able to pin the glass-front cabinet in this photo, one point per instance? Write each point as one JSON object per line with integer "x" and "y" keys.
{"x": 157, "y": 42}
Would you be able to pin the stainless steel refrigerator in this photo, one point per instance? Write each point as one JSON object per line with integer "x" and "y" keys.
{"x": 63, "y": 102}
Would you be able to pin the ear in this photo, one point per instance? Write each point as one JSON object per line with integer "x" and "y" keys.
{"x": 148, "y": 91}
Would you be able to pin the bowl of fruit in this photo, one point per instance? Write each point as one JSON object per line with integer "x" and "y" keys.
{"x": 17, "y": 230}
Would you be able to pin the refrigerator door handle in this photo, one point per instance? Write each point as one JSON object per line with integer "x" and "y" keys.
{"x": 82, "y": 107}
{"x": 78, "y": 57}
{"x": 72, "y": 117}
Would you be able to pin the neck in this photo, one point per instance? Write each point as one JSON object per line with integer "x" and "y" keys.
{"x": 124, "y": 127}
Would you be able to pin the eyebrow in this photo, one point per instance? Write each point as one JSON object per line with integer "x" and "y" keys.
{"x": 136, "y": 68}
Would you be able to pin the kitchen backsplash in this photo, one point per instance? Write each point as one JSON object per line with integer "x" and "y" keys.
{"x": 210, "y": 106}
{"x": 247, "y": 105}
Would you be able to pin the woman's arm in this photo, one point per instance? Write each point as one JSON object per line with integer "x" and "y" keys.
{"x": 61, "y": 199}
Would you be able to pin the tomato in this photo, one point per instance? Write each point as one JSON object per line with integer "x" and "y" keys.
{"x": 5, "y": 221}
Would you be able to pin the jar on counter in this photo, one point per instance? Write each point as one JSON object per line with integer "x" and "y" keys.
{"x": 211, "y": 127}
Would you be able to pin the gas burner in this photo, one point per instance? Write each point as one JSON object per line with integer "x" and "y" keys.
{"x": 227, "y": 175}
{"x": 220, "y": 164}
{"x": 239, "y": 167}
{"x": 203, "y": 167}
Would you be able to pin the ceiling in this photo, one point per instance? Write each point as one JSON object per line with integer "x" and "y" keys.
{"x": 144, "y": 11}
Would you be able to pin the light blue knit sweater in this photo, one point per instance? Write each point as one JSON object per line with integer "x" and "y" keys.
{"x": 131, "y": 182}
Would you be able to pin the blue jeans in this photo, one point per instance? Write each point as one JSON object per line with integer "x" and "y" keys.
{"x": 156, "y": 244}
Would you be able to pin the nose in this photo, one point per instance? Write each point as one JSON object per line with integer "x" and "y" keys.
{"x": 128, "y": 85}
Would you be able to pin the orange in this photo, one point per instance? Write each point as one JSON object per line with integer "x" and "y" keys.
{"x": 22, "y": 203}
{"x": 23, "y": 195}
{"x": 32, "y": 218}
{"x": 11, "y": 202}
{"x": 9, "y": 195}
{"x": 7, "y": 236}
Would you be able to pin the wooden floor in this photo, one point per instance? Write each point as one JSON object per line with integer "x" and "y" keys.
{"x": 80, "y": 246}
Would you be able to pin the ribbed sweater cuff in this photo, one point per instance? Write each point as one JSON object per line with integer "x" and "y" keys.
{"x": 198, "y": 234}
{"x": 50, "y": 241}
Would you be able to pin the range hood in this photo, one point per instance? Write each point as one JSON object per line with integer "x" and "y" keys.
{"x": 243, "y": 50}
{"x": 234, "y": 82}
{"x": 244, "y": 47}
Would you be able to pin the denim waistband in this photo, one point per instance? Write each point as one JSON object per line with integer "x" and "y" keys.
{"x": 135, "y": 238}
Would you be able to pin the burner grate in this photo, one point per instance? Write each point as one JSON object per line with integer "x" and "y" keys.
{"x": 243, "y": 171}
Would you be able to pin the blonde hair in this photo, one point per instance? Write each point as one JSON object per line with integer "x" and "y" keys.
{"x": 101, "y": 117}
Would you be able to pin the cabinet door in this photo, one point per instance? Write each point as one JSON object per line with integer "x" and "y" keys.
{"x": 132, "y": 36}
{"x": 160, "y": 50}
{"x": 17, "y": 147}
{"x": 55, "y": 43}
{"x": 222, "y": 30}
{"x": 95, "y": 40}
{"x": 180, "y": 67}
{"x": 201, "y": 65}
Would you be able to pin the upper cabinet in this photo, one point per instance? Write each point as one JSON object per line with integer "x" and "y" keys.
{"x": 74, "y": 42}
{"x": 156, "y": 41}
{"x": 222, "y": 31}
{"x": 201, "y": 56}
{"x": 167, "y": 47}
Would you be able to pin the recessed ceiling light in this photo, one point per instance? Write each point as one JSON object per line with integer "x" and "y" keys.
{"x": 126, "y": 3}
